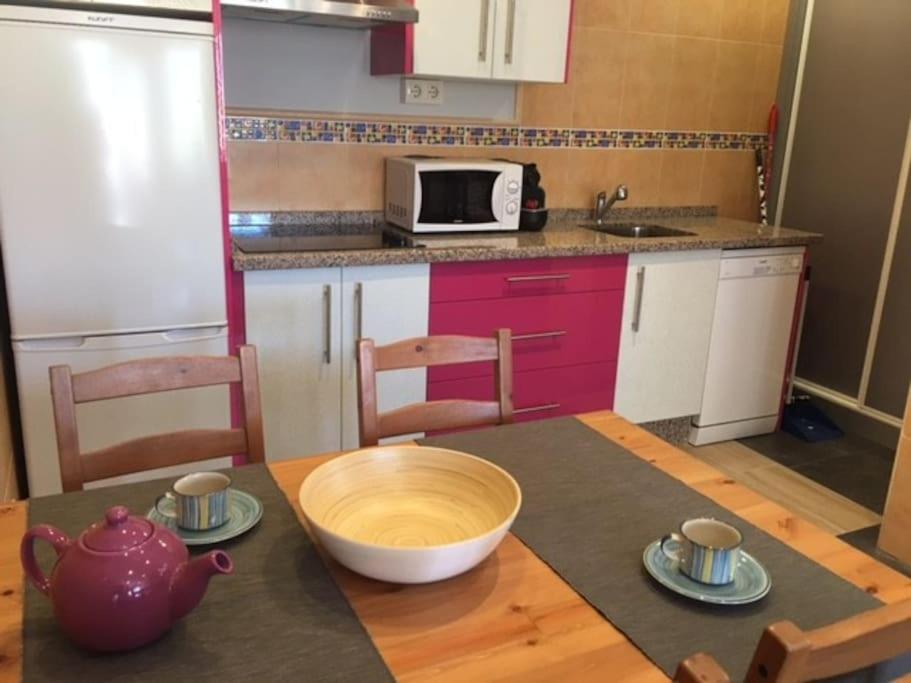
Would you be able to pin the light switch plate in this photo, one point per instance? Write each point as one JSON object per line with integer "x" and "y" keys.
{"x": 422, "y": 91}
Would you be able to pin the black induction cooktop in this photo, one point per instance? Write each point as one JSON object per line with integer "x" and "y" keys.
{"x": 342, "y": 239}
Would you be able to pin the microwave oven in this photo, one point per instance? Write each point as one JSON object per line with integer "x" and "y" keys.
{"x": 427, "y": 194}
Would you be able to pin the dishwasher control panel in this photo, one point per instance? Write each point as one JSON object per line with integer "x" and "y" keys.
{"x": 757, "y": 266}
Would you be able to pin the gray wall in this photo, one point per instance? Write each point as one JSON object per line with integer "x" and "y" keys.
{"x": 888, "y": 389}
{"x": 843, "y": 176}
{"x": 317, "y": 69}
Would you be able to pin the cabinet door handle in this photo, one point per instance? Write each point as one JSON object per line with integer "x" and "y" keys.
{"x": 637, "y": 306}
{"x": 537, "y": 278}
{"x": 536, "y": 409}
{"x": 359, "y": 312}
{"x": 510, "y": 32}
{"x": 482, "y": 34}
{"x": 539, "y": 335}
{"x": 327, "y": 324}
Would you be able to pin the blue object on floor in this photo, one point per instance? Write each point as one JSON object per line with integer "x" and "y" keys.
{"x": 805, "y": 421}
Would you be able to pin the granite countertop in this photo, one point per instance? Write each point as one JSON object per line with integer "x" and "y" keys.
{"x": 563, "y": 236}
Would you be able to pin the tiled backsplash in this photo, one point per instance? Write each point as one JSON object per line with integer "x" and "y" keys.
{"x": 316, "y": 130}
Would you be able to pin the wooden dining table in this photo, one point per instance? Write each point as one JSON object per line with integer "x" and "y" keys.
{"x": 511, "y": 618}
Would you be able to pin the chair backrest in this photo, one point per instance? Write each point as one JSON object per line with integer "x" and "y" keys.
{"x": 786, "y": 654}
{"x": 427, "y": 352}
{"x": 148, "y": 376}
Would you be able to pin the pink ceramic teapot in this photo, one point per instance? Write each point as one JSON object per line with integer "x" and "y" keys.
{"x": 123, "y": 582}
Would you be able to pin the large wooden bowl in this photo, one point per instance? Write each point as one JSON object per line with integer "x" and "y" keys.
{"x": 409, "y": 514}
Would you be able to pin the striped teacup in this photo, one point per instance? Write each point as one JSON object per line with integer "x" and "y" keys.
{"x": 200, "y": 501}
{"x": 707, "y": 550}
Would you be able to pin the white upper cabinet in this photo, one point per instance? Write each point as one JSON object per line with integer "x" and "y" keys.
{"x": 513, "y": 40}
{"x": 454, "y": 38}
{"x": 531, "y": 40}
{"x": 668, "y": 310}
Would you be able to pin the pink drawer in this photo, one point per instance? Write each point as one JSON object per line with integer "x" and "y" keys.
{"x": 526, "y": 277}
{"x": 548, "y": 331}
{"x": 539, "y": 394}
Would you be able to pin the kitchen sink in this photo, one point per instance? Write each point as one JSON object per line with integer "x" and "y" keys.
{"x": 637, "y": 230}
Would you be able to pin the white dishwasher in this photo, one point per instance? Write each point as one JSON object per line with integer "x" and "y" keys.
{"x": 748, "y": 349}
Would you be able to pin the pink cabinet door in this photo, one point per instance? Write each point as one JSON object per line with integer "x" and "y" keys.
{"x": 548, "y": 331}
{"x": 525, "y": 277}
{"x": 543, "y": 393}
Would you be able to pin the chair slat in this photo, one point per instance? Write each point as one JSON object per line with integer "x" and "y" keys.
{"x": 427, "y": 417}
{"x": 152, "y": 375}
{"x": 425, "y": 352}
{"x": 162, "y": 450}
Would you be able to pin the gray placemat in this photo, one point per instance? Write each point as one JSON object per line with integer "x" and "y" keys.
{"x": 278, "y": 617}
{"x": 589, "y": 509}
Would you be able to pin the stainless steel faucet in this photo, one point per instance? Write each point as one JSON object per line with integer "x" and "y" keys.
{"x": 603, "y": 203}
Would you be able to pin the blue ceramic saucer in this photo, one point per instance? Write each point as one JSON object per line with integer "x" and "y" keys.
{"x": 751, "y": 582}
{"x": 244, "y": 511}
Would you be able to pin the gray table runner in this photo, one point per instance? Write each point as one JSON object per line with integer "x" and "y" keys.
{"x": 278, "y": 617}
{"x": 590, "y": 508}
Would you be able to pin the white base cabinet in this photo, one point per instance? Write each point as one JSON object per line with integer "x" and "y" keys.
{"x": 667, "y": 323}
{"x": 305, "y": 324}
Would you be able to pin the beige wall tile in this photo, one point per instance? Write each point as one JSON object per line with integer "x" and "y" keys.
{"x": 588, "y": 173}
{"x": 546, "y": 104}
{"x": 765, "y": 85}
{"x": 612, "y": 14}
{"x": 681, "y": 177}
{"x": 775, "y": 21}
{"x": 654, "y": 16}
{"x": 639, "y": 170}
{"x": 742, "y": 19}
{"x": 315, "y": 177}
{"x": 692, "y": 80}
{"x": 646, "y": 79}
{"x": 700, "y": 18}
{"x": 729, "y": 182}
{"x": 253, "y": 175}
{"x": 732, "y": 95}
{"x": 597, "y": 77}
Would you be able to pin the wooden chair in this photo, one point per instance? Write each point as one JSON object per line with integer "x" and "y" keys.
{"x": 425, "y": 352}
{"x": 786, "y": 654}
{"x": 150, "y": 376}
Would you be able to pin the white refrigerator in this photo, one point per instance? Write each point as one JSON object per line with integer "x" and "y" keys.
{"x": 110, "y": 214}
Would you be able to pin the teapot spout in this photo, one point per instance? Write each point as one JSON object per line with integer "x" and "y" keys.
{"x": 190, "y": 580}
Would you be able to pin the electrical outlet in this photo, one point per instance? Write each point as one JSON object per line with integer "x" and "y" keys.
{"x": 422, "y": 91}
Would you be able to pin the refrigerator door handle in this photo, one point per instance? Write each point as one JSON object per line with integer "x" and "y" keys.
{"x": 183, "y": 334}
{"x": 51, "y": 344}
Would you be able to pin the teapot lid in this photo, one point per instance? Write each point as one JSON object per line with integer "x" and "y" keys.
{"x": 118, "y": 531}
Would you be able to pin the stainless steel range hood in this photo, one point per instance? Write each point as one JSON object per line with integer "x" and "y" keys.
{"x": 337, "y": 13}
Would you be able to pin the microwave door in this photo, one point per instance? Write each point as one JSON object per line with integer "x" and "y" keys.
{"x": 459, "y": 199}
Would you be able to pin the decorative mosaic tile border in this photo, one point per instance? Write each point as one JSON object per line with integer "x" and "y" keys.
{"x": 454, "y": 135}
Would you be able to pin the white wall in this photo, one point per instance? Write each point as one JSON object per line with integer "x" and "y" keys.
{"x": 318, "y": 69}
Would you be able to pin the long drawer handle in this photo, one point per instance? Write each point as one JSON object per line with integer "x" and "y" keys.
{"x": 539, "y": 335}
{"x": 327, "y": 324}
{"x": 537, "y": 278}
{"x": 536, "y": 409}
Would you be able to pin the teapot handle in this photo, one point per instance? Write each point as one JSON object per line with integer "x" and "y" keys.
{"x": 58, "y": 540}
